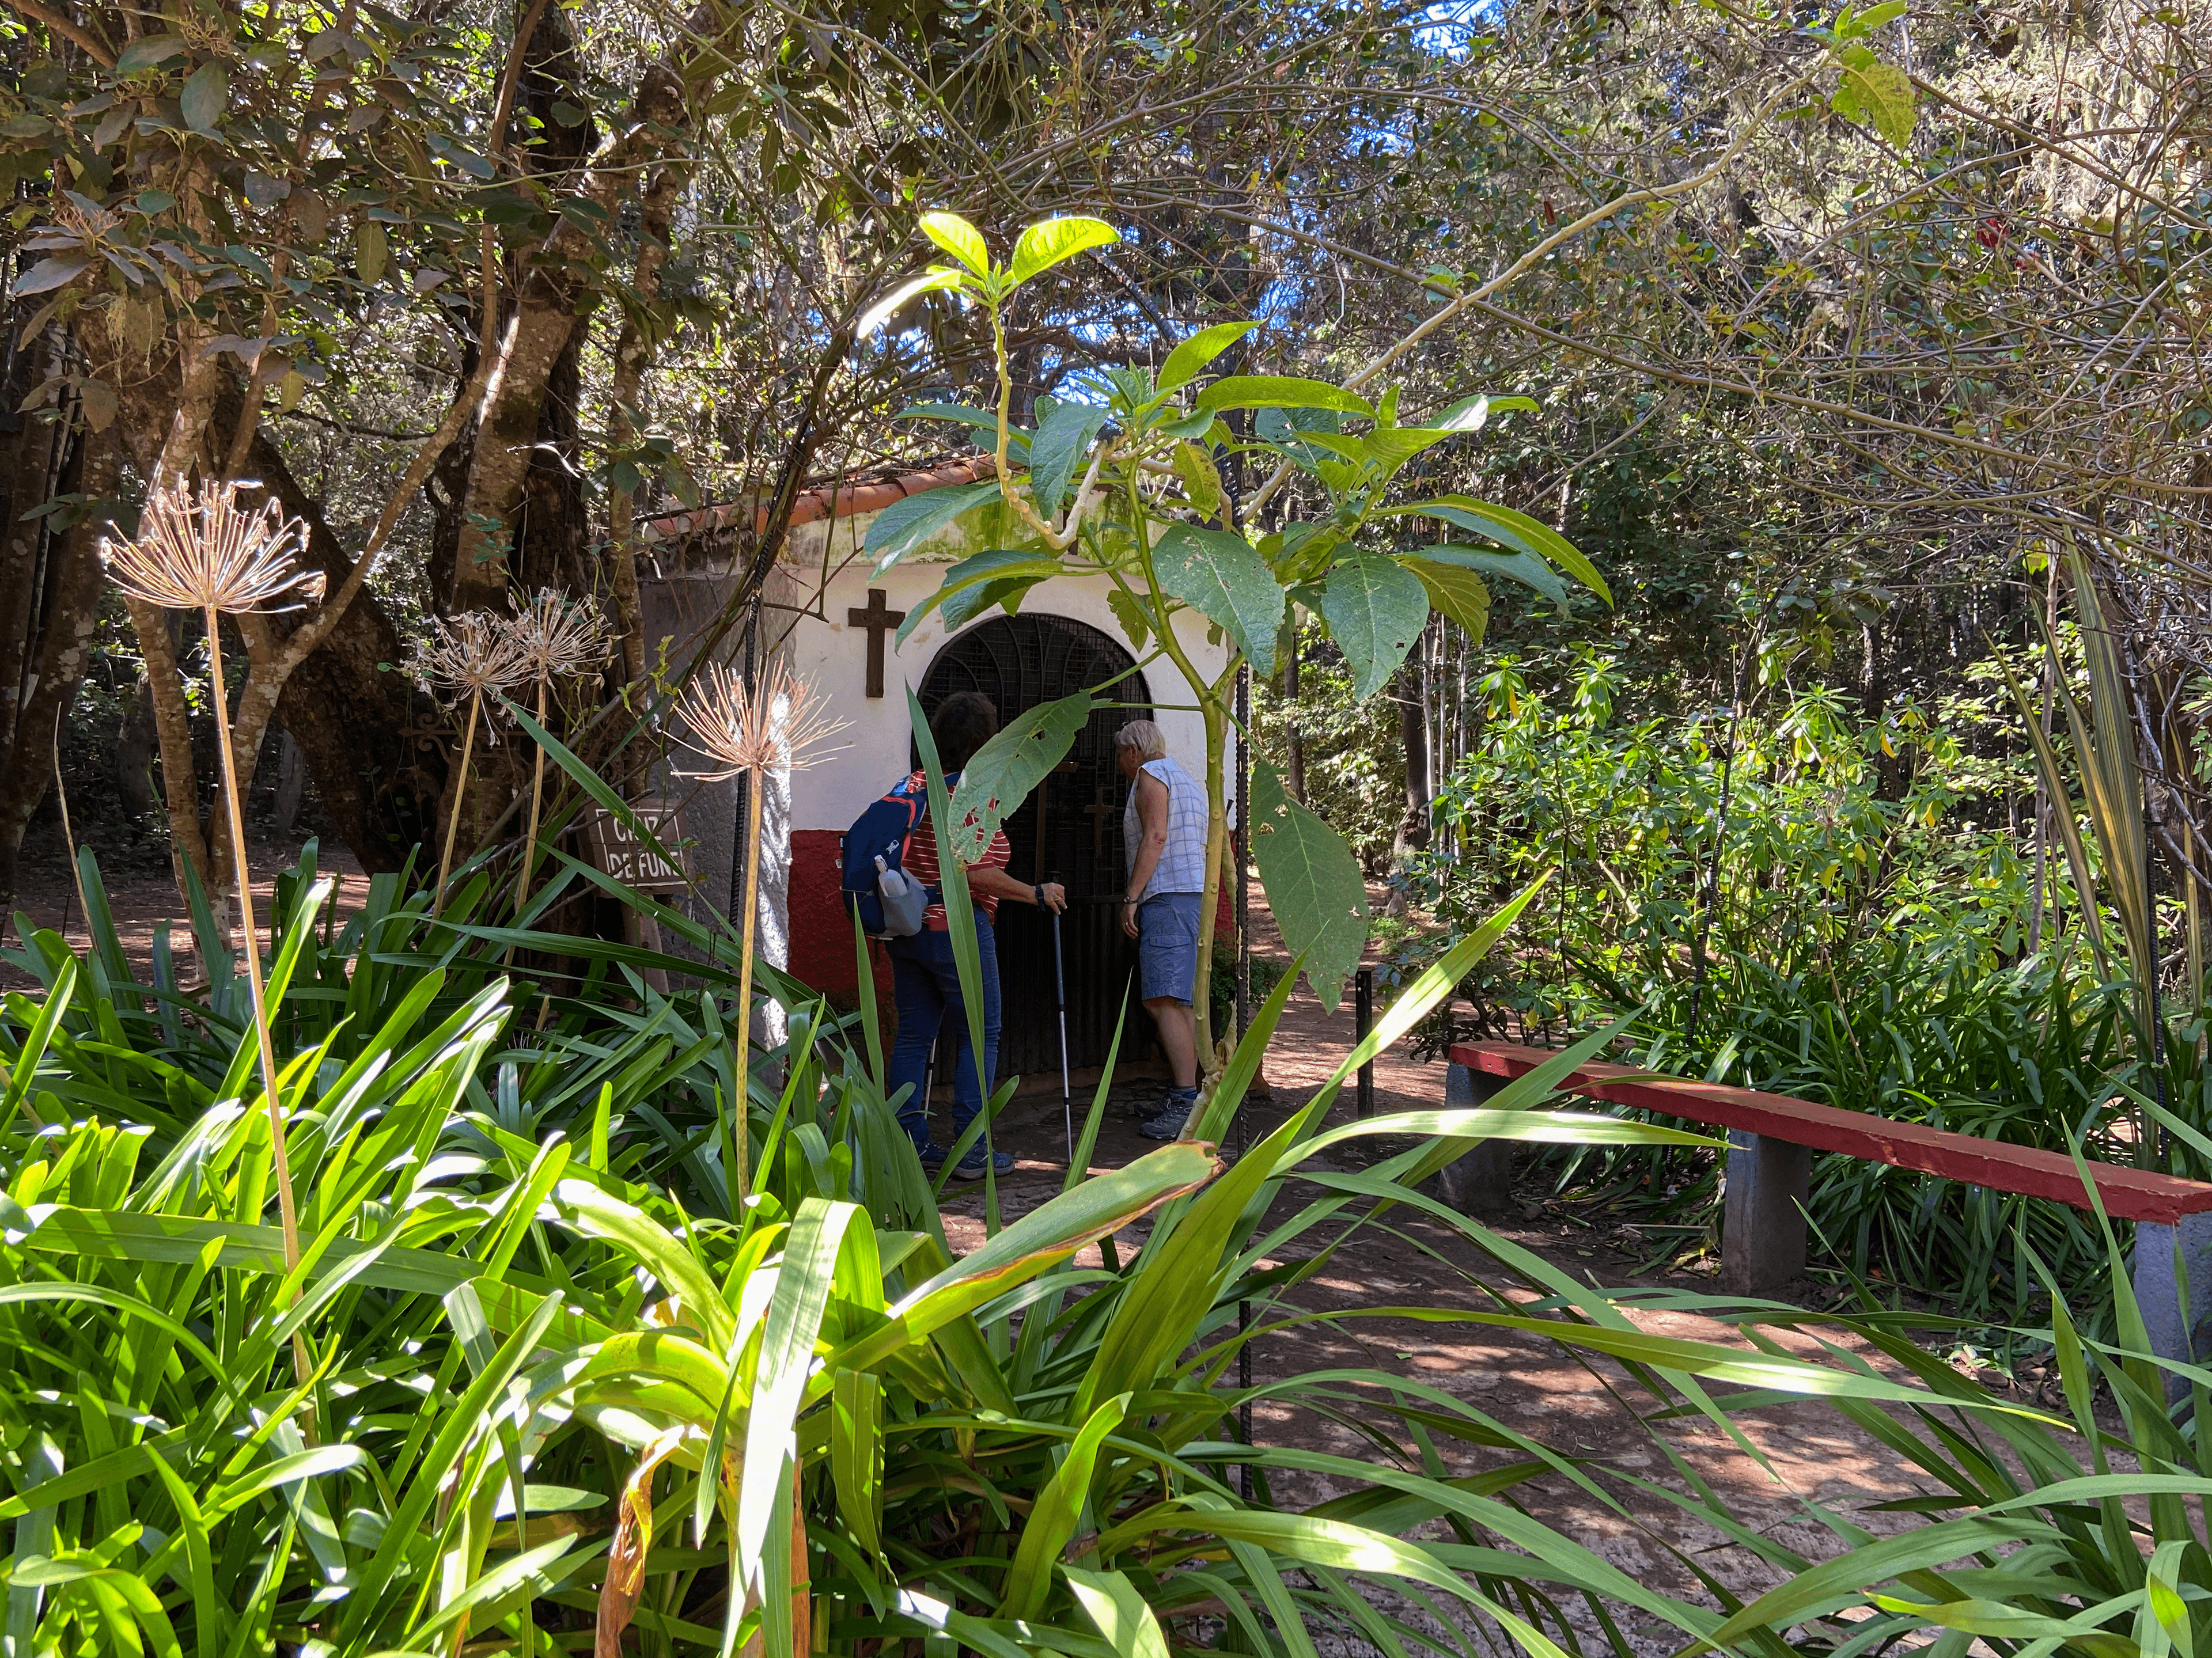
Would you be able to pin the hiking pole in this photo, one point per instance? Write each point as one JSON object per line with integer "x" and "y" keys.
{"x": 1060, "y": 1001}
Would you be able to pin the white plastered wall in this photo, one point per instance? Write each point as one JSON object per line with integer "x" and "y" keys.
{"x": 804, "y": 623}
{"x": 834, "y": 656}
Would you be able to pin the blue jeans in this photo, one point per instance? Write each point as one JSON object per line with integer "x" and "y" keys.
{"x": 926, "y": 983}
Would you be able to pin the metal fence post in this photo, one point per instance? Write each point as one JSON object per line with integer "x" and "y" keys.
{"x": 1363, "y": 1021}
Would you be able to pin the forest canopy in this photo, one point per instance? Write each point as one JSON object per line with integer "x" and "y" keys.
{"x": 1859, "y": 326}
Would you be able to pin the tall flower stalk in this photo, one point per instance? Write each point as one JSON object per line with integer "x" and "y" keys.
{"x": 752, "y": 732}
{"x": 556, "y": 638}
{"x": 470, "y": 656}
{"x": 219, "y": 558}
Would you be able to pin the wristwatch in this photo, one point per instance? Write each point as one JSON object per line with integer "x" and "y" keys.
{"x": 1037, "y": 894}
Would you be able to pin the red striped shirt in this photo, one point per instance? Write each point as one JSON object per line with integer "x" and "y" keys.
{"x": 920, "y": 860}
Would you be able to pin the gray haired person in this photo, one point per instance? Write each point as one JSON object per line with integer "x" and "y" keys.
{"x": 1164, "y": 831}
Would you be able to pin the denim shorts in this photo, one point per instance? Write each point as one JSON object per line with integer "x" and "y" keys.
{"x": 1167, "y": 946}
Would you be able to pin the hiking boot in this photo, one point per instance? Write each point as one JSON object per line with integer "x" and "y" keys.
{"x": 971, "y": 1166}
{"x": 1144, "y": 1110}
{"x": 1167, "y": 1124}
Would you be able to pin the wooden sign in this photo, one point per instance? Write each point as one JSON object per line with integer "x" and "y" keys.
{"x": 617, "y": 851}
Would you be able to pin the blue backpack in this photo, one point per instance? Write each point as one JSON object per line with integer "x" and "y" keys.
{"x": 888, "y": 901}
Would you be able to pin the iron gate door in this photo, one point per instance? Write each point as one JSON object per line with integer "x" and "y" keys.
{"x": 1069, "y": 830}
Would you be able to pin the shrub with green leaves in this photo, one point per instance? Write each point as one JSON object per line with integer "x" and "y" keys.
{"x": 1861, "y": 941}
{"x": 567, "y": 1378}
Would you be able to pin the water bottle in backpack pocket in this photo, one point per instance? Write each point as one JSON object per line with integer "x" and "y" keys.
{"x": 888, "y": 901}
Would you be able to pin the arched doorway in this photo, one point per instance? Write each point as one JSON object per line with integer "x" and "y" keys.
{"x": 1070, "y": 830}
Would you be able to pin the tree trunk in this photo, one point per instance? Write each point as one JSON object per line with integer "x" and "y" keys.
{"x": 134, "y": 754}
{"x": 1411, "y": 695}
{"x": 352, "y": 718}
{"x": 72, "y": 615}
{"x": 532, "y": 344}
{"x": 633, "y": 350}
{"x": 36, "y": 452}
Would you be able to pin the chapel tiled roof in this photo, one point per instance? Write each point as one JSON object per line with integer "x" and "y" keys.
{"x": 845, "y": 497}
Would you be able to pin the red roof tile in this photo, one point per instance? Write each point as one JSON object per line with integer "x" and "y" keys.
{"x": 845, "y": 497}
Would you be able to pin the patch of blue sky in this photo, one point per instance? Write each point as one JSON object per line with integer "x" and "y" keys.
{"x": 1456, "y": 28}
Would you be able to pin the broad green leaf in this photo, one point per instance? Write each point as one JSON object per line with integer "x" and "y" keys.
{"x": 1135, "y": 619}
{"x": 784, "y": 1361}
{"x": 24, "y": 1070}
{"x": 2008, "y": 1622}
{"x": 172, "y": 1239}
{"x": 1883, "y": 93}
{"x": 1375, "y": 609}
{"x": 50, "y": 274}
{"x": 1289, "y": 430}
{"x": 1281, "y": 392}
{"x": 1005, "y": 592}
{"x": 960, "y": 238}
{"x": 1314, "y": 885}
{"x": 933, "y": 280}
{"x": 1473, "y": 414}
{"x": 1386, "y": 450}
{"x": 905, "y": 524}
{"x": 1845, "y": 1580}
{"x": 1509, "y": 528}
{"x": 372, "y": 251}
{"x": 856, "y": 1454}
{"x": 1057, "y": 1510}
{"x": 1111, "y": 1602}
{"x": 959, "y": 918}
{"x": 1044, "y": 246}
{"x": 205, "y": 98}
{"x": 1455, "y": 593}
{"x": 150, "y": 51}
{"x": 1867, "y": 21}
{"x": 1539, "y": 1127}
{"x": 1056, "y": 452}
{"x": 964, "y": 593}
{"x": 1006, "y": 770}
{"x": 1050, "y": 1233}
{"x": 1526, "y": 568}
{"x": 1304, "y": 1538}
{"x": 597, "y": 1214}
{"x": 1192, "y": 355}
{"x": 1201, "y": 480}
{"x": 1223, "y": 577}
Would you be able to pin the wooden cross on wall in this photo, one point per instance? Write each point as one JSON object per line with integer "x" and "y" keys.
{"x": 878, "y": 620}
{"x": 1100, "y": 811}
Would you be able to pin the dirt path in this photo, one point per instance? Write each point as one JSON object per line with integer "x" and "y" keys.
{"x": 1592, "y": 1410}
{"x": 139, "y": 898}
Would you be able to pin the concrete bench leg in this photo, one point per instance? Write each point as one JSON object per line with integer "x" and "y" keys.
{"x": 2173, "y": 1328}
{"x": 1480, "y": 1183}
{"x": 1763, "y": 1224}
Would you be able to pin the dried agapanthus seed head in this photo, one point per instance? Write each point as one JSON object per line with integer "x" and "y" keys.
{"x": 772, "y": 727}
{"x": 473, "y": 654}
{"x": 82, "y": 217}
{"x": 213, "y": 554}
{"x": 556, "y": 637}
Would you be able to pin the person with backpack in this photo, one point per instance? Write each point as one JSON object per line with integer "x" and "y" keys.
{"x": 891, "y": 880}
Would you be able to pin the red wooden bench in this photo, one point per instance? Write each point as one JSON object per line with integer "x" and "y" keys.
{"x": 1772, "y": 1139}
